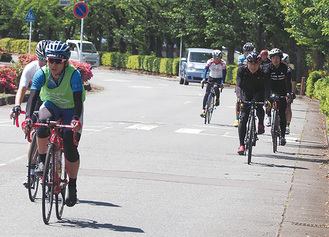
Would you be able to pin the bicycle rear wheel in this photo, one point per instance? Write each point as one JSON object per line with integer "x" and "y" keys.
{"x": 33, "y": 180}
{"x": 274, "y": 132}
{"x": 48, "y": 184}
{"x": 60, "y": 198}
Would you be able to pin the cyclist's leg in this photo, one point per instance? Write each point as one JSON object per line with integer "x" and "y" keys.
{"x": 244, "y": 113}
{"x": 72, "y": 157}
{"x": 288, "y": 116}
{"x": 237, "y": 113}
{"x": 283, "y": 121}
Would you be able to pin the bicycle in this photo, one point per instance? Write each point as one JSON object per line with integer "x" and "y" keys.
{"x": 210, "y": 105}
{"x": 251, "y": 134}
{"x": 54, "y": 179}
{"x": 275, "y": 123}
{"x": 33, "y": 162}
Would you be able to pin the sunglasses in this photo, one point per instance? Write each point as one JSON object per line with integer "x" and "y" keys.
{"x": 41, "y": 58}
{"x": 56, "y": 60}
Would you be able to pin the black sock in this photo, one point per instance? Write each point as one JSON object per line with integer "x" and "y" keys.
{"x": 72, "y": 183}
{"x": 42, "y": 157}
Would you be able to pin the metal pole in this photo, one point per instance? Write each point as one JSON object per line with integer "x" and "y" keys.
{"x": 81, "y": 35}
{"x": 30, "y": 37}
{"x": 180, "y": 55}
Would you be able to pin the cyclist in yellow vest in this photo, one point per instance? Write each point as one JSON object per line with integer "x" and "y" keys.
{"x": 59, "y": 85}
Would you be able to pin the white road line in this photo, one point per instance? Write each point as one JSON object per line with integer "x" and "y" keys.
{"x": 2, "y": 165}
{"x": 228, "y": 134}
{"x": 141, "y": 87}
{"x": 115, "y": 80}
{"x": 187, "y": 102}
{"x": 142, "y": 127}
{"x": 189, "y": 130}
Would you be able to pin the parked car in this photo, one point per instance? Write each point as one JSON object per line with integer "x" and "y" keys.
{"x": 89, "y": 52}
{"x": 193, "y": 64}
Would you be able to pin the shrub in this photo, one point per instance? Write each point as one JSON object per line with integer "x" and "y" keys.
{"x": 234, "y": 75}
{"x": 175, "y": 66}
{"x": 312, "y": 78}
{"x": 163, "y": 65}
{"x": 84, "y": 69}
{"x": 106, "y": 59}
{"x": 148, "y": 63}
{"x": 8, "y": 80}
{"x": 156, "y": 65}
{"x": 229, "y": 74}
{"x": 133, "y": 62}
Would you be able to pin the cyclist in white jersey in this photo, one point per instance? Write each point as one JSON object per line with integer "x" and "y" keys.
{"x": 217, "y": 76}
{"x": 26, "y": 81}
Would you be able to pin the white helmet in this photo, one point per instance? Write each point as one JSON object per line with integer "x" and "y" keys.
{"x": 217, "y": 54}
{"x": 286, "y": 57}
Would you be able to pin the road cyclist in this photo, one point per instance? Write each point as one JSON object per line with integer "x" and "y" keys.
{"x": 251, "y": 84}
{"x": 217, "y": 74}
{"x": 242, "y": 60}
{"x": 25, "y": 83}
{"x": 60, "y": 87}
{"x": 279, "y": 85}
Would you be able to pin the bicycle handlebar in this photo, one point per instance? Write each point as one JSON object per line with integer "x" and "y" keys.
{"x": 252, "y": 102}
{"x": 15, "y": 117}
{"x": 52, "y": 125}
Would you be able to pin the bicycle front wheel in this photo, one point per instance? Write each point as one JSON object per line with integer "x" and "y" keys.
{"x": 209, "y": 108}
{"x": 274, "y": 131}
{"x": 251, "y": 130}
{"x": 33, "y": 180}
{"x": 62, "y": 179}
{"x": 48, "y": 184}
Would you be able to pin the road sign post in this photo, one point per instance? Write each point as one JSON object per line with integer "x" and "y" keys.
{"x": 30, "y": 18}
{"x": 80, "y": 10}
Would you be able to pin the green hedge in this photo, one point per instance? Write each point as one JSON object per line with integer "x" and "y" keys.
{"x": 134, "y": 62}
{"x": 229, "y": 74}
{"x": 20, "y": 46}
{"x": 312, "y": 78}
{"x": 175, "y": 66}
{"x": 321, "y": 92}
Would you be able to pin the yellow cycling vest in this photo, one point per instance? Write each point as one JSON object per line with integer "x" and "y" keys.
{"x": 61, "y": 96}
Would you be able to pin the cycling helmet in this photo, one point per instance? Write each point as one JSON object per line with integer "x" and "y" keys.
{"x": 248, "y": 47}
{"x": 41, "y": 47}
{"x": 285, "y": 57}
{"x": 263, "y": 52}
{"x": 58, "y": 49}
{"x": 253, "y": 57}
{"x": 217, "y": 54}
{"x": 275, "y": 52}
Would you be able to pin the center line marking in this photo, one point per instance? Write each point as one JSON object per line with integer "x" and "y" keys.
{"x": 189, "y": 130}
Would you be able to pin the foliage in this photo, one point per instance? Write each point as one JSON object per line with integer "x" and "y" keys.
{"x": 175, "y": 66}
{"x": 321, "y": 92}
{"x": 8, "y": 79}
{"x": 229, "y": 74}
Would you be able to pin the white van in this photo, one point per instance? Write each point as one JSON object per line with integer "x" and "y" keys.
{"x": 89, "y": 52}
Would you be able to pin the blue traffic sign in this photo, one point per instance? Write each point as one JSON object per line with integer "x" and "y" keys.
{"x": 29, "y": 16}
{"x": 80, "y": 10}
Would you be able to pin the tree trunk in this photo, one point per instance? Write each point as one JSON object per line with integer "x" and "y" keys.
{"x": 123, "y": 46}
{"x": 318, "y": 60}
{"x": 230, "y": 54}
{"x": 158, "y": 45}
{"x": 299, "y": 63}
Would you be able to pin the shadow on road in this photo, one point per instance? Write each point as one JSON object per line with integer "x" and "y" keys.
{"x": 84, "y": 223}
{"x": 96, "y": 203}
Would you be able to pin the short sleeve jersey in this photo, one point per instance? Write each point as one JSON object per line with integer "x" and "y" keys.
{"x": 216, "y": 70}
{"x": 28, "y": 72}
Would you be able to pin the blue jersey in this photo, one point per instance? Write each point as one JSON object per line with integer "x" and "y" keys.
{"x": 242, "y": 60}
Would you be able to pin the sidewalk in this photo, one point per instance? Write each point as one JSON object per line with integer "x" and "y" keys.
{"x": 307, "y": 206}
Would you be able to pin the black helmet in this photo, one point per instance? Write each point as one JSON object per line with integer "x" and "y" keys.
{"x": 58, "y": 49}
{"x": 275, "y": 52}
{"x": 253, "y": 57}
{"x": 248, "y": 47}
{"x": 217, "y": 54}
{"x": 41, "y": 47}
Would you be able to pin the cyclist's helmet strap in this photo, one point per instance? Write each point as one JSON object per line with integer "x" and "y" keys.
{"x": 276, "y": 52}
{"x": 41, "y": 47}
{"x": 58, "y": 49}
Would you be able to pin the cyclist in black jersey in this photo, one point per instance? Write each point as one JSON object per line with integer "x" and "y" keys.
{"x": 279, "y": 85}
{"x": 251, "y": 83}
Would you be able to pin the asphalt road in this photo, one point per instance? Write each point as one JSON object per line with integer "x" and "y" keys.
{"x": 151, "y": 167}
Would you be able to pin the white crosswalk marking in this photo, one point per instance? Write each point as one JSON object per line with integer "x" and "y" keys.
{"x": 189, "y": 130}
{"x": 141, "y": 87}
{"x": 142, "y": 127}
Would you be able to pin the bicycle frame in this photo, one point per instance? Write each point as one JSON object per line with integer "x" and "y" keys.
{"x": 210, "y": 105}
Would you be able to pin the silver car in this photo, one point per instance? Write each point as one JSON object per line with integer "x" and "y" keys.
{"x": 193, "y": 64}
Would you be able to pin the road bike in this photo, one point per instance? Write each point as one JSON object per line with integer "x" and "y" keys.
{"x": 251, "y": 134}
{"x": 54, "y": 179}
{"x": 210, "y": 105}
{"x": 33, "y": 161}
{"x": 275, "y": 123}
